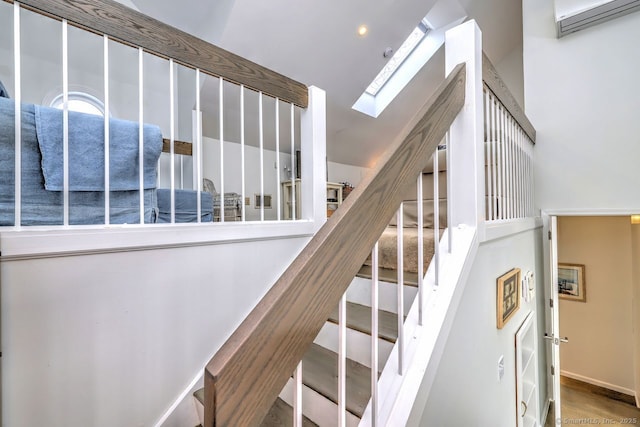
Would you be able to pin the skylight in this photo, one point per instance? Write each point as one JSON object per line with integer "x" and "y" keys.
{"x": 423, "y": 42}
{"x": 398, "y": 58}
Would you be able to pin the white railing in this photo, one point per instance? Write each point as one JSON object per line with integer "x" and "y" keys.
{"x": 232, "y": 142}
{"x": 509, "y": 163}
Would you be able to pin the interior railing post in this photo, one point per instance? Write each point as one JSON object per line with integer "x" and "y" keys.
{"x": 464, "y": 44}
{"x": 313, "y": 162}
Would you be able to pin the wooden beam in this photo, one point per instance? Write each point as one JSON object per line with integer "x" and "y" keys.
{"x": 246, "y": 375}
{"x": 495, "y": 83}
{"x": 136, "y": 29}
{"x": 179, "y": 147}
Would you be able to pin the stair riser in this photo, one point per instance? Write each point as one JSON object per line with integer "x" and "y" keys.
{"x": 359, "y": 292}
{"x": 358, "y": 345}
{"x": 316, "y": 407}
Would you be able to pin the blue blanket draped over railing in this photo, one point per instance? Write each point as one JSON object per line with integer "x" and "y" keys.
{"x": 86, "y": 151}
{"x": 40, "y": 206}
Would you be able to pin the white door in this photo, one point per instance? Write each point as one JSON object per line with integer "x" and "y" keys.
{"x": 553, "y": 330}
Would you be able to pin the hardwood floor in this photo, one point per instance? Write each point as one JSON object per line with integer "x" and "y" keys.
{"x": 583, "y": 407}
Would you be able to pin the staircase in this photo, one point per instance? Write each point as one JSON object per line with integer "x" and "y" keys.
{"x": 320, "y": 363}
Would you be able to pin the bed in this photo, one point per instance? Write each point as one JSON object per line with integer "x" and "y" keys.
{"x": 42, "y": 170}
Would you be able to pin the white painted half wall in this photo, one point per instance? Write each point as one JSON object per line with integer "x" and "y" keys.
{"x": 600, "y": 330}
{"x": 113, "y": 339}
{"x": 582, "y": 94}
{"x": 466, "y": 390}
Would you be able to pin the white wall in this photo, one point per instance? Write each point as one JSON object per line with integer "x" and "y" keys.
{"x": 339, "y": 172}
{"x": 112, "y": 339}
{"x": 603, "y": 245}
{"x": 583, "y": 96}
{"x": 466, "y": 390}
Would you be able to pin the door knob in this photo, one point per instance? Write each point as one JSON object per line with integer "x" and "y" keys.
{"x": 556, "y": 341}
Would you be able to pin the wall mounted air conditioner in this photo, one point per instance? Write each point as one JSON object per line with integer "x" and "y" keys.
{"x": 576, "y": 15}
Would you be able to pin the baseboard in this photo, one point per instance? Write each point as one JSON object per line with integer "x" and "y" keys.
{"x": 599, "y": 387}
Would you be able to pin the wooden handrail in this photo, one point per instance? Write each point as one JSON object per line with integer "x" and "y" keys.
{"x": 246, "y": 375}
{"x": 179, "y": 147}
{"x": 495, "y": 83}
{"x": 134, "y": 28}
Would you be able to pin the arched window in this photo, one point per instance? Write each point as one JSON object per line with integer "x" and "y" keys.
{"x": 81, "y": 102}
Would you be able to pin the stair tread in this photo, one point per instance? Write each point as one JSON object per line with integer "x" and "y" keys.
{"x": 280, "y": 414}
{"x": 389, "y": 275}
{"x": 359, "y": 319}
{"x": 320, "y": 373}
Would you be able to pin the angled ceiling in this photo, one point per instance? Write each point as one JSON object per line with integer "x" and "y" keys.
{"x": 316, "y": 43}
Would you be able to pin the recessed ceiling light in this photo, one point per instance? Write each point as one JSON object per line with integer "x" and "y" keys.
{"x": 362, "y": 30}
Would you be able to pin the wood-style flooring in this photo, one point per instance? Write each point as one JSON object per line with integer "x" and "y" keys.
{"x": 582, "y": 406}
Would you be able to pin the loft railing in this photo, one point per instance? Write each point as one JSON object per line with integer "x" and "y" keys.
{"x": 509, "y": 140}
{"x": 249, "y": 371}
{"x": 185, "y": 160}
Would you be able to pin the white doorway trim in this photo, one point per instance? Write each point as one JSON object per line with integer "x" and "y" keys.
{"x": 546, "y": 216}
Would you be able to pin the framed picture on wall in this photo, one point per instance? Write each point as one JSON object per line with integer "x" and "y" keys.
{"x": 508, "y": 296}
{"x": 571, "y": 282}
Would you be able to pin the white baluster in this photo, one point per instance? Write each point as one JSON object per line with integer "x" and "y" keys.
{"x": 293, "y": 166}
{"x": 374, "y": 335}
{"x": 17, "y": 60}
{"x": 242, "y": 161}
{"x": 420, "y": 202}
{"x": 260, "y": 118}
{"x": 221, "y": 119}
{"x": 65, "y": 129}
{"x": 436, "y": 219}
{"x": 297, "y": 396}
{"x": 400, "y": 289}
{"x": 172, "y": 132}
{"x": 197, "y": 161}
{"x": 141, "y": 130}
{"x": 342, "y": 361}
{"x": 277, "y": 124}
